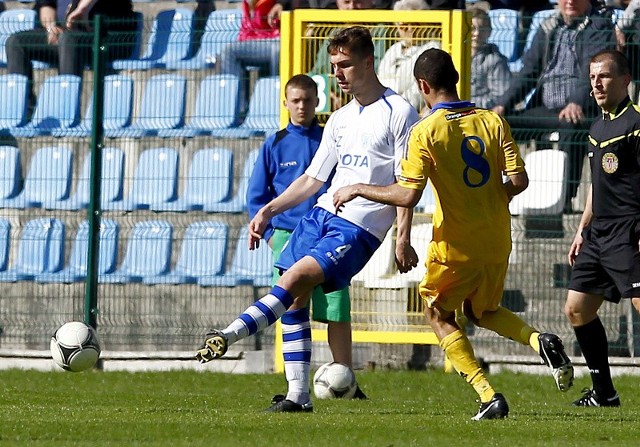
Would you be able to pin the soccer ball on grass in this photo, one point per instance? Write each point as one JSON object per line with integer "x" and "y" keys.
{"x": 75, "y": 346}
{"x": 334, "y": 381}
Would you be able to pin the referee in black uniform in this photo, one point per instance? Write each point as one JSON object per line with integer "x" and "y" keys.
{"x": 605, "y": 253}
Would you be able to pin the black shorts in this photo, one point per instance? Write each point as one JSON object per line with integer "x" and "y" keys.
{"x": 608, "y": 263}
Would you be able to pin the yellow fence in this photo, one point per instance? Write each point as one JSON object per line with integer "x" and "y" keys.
{"x": 389, "y": 311}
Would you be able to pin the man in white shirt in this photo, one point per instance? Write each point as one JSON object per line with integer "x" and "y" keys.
{"x": 363, "y": 141}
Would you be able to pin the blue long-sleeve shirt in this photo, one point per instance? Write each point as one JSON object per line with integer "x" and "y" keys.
{"x": 283, "y": 157}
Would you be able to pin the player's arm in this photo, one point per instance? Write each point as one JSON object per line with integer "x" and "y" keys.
{"x": 516, "y": 183}
{"x": 393, "y": 194}
{"x": 406, "y": 256}
{"x": 585, "y": 220}
{"x": 297, "y": 192}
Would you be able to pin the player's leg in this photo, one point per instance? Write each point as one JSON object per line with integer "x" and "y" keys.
{"x": 444, "y": 290}
{"x": 582, "y": 311}
{"x": 636, "y": 303}
{"x": 297, "y": 282}
{"x": 549, "y": 346}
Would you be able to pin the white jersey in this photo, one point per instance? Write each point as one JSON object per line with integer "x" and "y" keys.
{"x": 365, "y": 145}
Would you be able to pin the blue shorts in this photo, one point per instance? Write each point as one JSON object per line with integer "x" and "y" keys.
{"x": 341, "y": 248}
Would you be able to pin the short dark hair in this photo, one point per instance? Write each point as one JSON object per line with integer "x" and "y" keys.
{"x": 436, "y": 67}
{"x": 619, "y": 60}
{"x": 482, "y": 15}
{"x": 356, "y": 39}
{"x": 301, "y": 81}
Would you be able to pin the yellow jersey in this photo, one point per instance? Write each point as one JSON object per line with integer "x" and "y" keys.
{"x": 464, "y": 151}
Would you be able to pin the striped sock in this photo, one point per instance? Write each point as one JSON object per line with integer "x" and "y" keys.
{"x": 296, "y": 349}
{"x": 259, "y": 315}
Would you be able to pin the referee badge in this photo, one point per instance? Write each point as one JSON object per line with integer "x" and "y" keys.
{"x": 609, "y": 163}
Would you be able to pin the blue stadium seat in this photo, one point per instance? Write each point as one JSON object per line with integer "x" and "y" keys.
{"x": 222, "y": 27}
{"x": 10, "y": 172}
{"x": 76, "y": 270}
{"x": 110, "y": 187}
{"x": 58, "y": 106}
{"x": 536, "y": 20}
{"x": 238, "y": 203}
{"x": 13, "y": 21}
{"x": 5, "y": 241}
{"x": 148, "y": 253}
{"x": 263, "y": 116}
{"x": 248, "y": 267}
{"x": 40, "y": 250}
{"x": 216, "y": 108}
{"x": 136, "y": 47}
{"x": 169, "y": 40}
{"x": 504, "y": 34}
{"x": 14, "y": 91}
{"x": 155, "y": 181}
{"x": 209, "y": 181}
{"x": 162, "y": 107}
{"x": 48, "y": 179}
{"x": 117, "y": 108}
{"x": 203, "y": 254}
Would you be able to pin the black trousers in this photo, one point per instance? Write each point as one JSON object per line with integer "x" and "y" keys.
{"x": 71, "y": 54}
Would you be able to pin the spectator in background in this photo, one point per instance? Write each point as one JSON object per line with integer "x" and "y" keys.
{"x": 65, "y": 35}
{"x": 283, "y": 158}
{"x": 258, "y": 45}
{"x": 396, "y": 67}
{"x": 557, "y": 67}
{"x": 490, "y": 74}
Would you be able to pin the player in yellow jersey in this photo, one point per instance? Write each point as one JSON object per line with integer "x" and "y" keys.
{"x": 464, "y": 151}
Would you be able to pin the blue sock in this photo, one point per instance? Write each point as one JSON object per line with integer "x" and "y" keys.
{"x": 259, "y": 315}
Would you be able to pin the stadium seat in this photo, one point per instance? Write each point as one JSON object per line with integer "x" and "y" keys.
{"x": 58, "y": 106}
{"x": 48, "y": 179}
{"x": 110, "y": 187}
{"x": 14, "y": 91}
{"x": 5, "y": 241}
{"x": 76, "y": 270}
{"x": 203, "y": 254}
{"x": 40, "y": 250}
{"x": 169, "y": 40}
{"x": 263, "y": 116}
{"x": 136, "y": 45}
{"x": 209, "y": 181}
{"x": 10, "y": 172}
{"x": 117, "y": 108}
{"x": 248, "y": 267}
{"x": 504, "y": 33}
{"x": 427, "y": 203}
{"x": 222, "y": 27}
{"x": 536, "y": 20}
{"x": 548, "y": 170}
{"x": 382, "y": 263}
{"x": 162, "y": 107}
{"x": 216, "y": 108}
{"x": 155, "y": 181}
{"x": 421, "y": 235}
{"x": 13, "y": 21}
{"x": 238, "y": 202}
{"x": 148, "y": 253}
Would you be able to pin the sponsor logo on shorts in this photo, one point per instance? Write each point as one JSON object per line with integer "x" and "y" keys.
{"x": 635, "y": 284}
{"x": 609, "y": 163}
{"x": 333, "y": 258}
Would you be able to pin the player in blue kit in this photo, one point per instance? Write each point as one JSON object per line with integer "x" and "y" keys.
{"x": 283, "y": 158}
{"x": 363, "y": 142}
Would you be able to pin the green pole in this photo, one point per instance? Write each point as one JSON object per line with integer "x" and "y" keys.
{"x": 94, "y": 212}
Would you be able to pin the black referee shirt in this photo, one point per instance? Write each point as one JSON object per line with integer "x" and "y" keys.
{"x": 614, "y": 155}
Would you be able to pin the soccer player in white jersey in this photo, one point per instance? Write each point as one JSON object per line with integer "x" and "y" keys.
{"x": 363, "y": 142}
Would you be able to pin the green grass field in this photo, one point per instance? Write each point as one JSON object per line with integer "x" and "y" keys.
{"x": 205, "y": 409}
